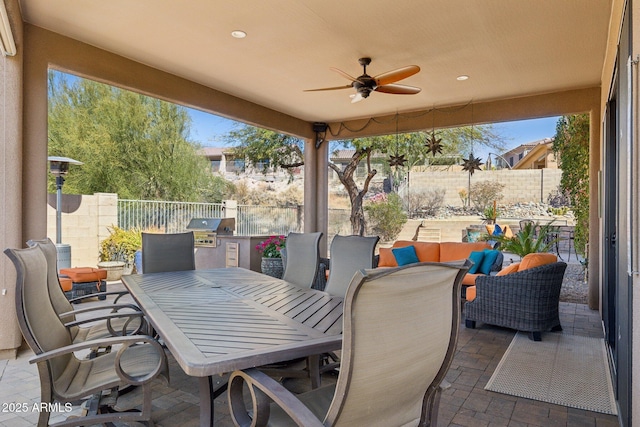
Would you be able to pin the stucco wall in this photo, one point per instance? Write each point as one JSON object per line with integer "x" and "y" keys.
{"x": 517, "y": 185}
{"x": 84, "y": 224}
{"x": 11, "y": 213}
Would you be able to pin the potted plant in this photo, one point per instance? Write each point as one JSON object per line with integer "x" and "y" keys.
{"x": 531, "y": 238}
{"x": 270, "y": 249}
{"x": 490, "y": 214}
{"x": 118, "y": 250}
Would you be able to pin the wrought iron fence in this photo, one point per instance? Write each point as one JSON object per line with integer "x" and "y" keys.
{"x": 167, "y": 217}
{"x": 173, "y": 217}
{"x": 268, "y": 220}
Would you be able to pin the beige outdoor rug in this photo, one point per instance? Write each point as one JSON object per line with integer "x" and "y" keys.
{"x": 567, "y": 370}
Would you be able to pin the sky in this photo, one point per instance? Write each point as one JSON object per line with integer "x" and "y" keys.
{"x": 208, "y": 129}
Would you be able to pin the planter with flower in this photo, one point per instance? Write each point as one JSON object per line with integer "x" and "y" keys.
{"x": 270, "y": 248}
{"x": 118, "y": 250}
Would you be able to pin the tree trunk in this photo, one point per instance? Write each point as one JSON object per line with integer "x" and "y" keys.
{"x": 358, "y": 222}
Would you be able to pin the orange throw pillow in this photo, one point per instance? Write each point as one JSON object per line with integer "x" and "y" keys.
{"x": 470, "y": 293}
{"x": 386, "y": 258}
{"x": 427, "y": 251}
{"x": 511, "y": 268}
{"x": 66, "y": 284}
{"x": 536, "y": 260}
{"x": 454, "y": 251}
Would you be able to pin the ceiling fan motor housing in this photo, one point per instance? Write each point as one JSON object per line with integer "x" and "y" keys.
{"x": 364, "y": 85}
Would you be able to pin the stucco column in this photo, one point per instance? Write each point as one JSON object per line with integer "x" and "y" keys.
{"x": 322, "y": 194}
{"x": 593, "y": 295}
{"x": 310, "y": 187}
{"x": 11, "y": 182}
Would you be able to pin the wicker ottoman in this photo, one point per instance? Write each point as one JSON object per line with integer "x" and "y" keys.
{"x": 84, "y": 281}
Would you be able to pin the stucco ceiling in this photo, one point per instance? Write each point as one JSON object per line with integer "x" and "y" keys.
{"x": 507, "y": 48}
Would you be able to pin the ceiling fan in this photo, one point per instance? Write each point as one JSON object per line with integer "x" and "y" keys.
{"x": 385, "y": 82}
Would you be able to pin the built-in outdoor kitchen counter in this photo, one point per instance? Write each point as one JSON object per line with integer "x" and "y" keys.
{"x": 231, "y": 251}
{"x": 216, "y": 246}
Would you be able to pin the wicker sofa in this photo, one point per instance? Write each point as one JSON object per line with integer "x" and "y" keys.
{"x": 525, "y": 300}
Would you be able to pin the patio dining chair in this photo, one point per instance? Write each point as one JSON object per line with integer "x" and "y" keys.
{"x": 303, "y": 258}
{"x": 400, "y": 329}
{"x": 348, "y": 255}
{"x": 168, "y": 252}
{"x": 66, "y": 378}
{"x": 108, "y": 319}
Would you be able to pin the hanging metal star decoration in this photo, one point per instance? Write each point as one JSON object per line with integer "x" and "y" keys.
{"x": 397, "y": 160}
{"x": 433, "y": 144}
{"x": 471, "y": 164}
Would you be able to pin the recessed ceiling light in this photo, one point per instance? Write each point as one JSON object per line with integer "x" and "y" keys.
{"x": 238, "y": 34}
{"x": 462, "y": 77}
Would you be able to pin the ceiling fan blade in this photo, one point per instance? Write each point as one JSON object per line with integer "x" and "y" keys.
{"x": 396, "y": 75}
{"x": 356, "y": 98}
{"x": 398, "y": 89}
{"x": 329, "y": 88}
{"x": 343, "y": 74}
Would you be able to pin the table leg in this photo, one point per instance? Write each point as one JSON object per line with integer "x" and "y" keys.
{"x": 207, "y": 396}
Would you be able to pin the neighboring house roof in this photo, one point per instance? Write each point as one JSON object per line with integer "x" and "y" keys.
{"x": 522, "y": 151}
{"x": 539, "y": 156}
{"x": 212, "y": 152}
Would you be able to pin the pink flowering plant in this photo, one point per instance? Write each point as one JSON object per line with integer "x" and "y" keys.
{"x": 271, "y": 247}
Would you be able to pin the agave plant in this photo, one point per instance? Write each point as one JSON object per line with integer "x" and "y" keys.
{"x": 531, "y": 238}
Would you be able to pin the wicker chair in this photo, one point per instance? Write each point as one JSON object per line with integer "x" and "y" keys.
{"x": 400, "y": 332}
{"x": 110, "y": 319}
{"x": 168, "y": 252}
{"x": 526, "y": 301}
{"x": 65, "y": 378}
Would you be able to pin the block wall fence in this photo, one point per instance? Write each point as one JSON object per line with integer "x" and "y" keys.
{"x": 518, "y": 186}
{"x": 86, "y": 218}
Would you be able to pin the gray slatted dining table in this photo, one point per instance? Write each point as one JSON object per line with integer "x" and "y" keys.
{"x": 219, "y": 320}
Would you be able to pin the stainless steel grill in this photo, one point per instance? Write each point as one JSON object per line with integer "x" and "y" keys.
{"x": 206, "y": 230}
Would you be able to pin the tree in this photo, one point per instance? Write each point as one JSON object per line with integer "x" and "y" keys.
{"x": 130, "y": 144}
{"x": 571, "y": 144}
{"x": 265, "y": 148}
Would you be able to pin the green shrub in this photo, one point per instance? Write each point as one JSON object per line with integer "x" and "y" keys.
{"x": 484, "y": 193}
{"x": 532, "y": 238}
{"x": 385, "y": 216}
{"x": 121, "y": 245}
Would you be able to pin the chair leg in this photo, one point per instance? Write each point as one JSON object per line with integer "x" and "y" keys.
{"x": 471, "y": 324}
{"x": 535, "y": 336}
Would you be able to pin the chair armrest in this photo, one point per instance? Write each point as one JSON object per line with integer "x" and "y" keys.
{"x": 113, "y": 308}
{"x": 265, "y": 389}
{"x": 126, "y": 342}
{"x": 112, "y": 316}
{"x": 100, "y": 294}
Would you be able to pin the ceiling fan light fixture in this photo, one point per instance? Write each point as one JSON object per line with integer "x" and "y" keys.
{"x": 462, "y": 77}
{"x": 238, "y": 34}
